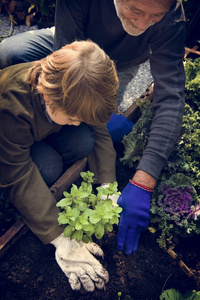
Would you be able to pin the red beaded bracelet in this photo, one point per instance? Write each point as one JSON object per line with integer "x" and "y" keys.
{"x": 141, "y": 186}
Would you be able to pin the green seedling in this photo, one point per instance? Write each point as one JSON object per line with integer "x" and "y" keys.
{"x": 87, "y": 214}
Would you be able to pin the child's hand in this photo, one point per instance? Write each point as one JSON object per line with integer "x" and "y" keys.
{"x": 79, "y": 265}
{"x": 119, "y": 126}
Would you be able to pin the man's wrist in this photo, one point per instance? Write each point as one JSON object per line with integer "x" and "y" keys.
{"x": 145, "y": 179}
{"x": 141, "y": 186}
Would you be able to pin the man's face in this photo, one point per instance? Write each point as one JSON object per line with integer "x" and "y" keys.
{"x": 138, "y": 15}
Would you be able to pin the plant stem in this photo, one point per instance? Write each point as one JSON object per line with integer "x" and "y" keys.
{"x": 181, "y": 264}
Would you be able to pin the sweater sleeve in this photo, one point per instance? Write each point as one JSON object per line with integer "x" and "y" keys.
{"x": 69, "y": 22}
{"x": 167, "y": 69}
{"x": 101, "y": 161}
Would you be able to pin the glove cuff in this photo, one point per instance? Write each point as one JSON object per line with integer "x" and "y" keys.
{"x": 59, "y": 240}
{"x": 105, "y": 185}
{"x": 143, "y": 187}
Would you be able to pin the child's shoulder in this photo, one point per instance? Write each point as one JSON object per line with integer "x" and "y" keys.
{"x": 13, "y": 75}
{"x": 15, "y": 70}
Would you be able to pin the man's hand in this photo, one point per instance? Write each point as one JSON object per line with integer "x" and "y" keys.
{"x": 135, "y": 202}
{"x": 79, "y": 265}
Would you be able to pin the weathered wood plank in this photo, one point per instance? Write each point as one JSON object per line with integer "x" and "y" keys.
{"x": 71, "y": 175}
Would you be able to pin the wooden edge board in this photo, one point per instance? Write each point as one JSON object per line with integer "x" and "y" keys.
{"x": 12, "y": 235}
{"x": 71, "y": 175}
{"x": 191, "y": 50}
{"x": 63, "y": 183}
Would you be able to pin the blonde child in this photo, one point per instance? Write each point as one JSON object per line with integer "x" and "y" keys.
{"x": 39, "y": 101}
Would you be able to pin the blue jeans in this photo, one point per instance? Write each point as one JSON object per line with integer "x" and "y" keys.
{"x": 27, "y": 46}
{"x": 59, "y": 150}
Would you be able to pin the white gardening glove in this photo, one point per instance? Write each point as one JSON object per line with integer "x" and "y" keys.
{"x": 114, "y": 198}
{"x": 79, "y": 265}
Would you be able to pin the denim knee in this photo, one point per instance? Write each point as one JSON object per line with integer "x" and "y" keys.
{"x": 72, "y": 142}
{"x": 25, "y": 47}
{"x": 83, "y": 143}
{"x": 48, "y": 161}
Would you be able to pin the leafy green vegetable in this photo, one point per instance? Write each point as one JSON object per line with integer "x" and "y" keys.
{"x": 192, "y": 86}
{"x": 87, "y": 214}
{"x": 136, "y": 140}
{"x": 173, "y": 294}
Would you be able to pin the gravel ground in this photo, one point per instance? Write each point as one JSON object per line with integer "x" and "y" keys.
{"x": 135, "y": 88}
{"x": 6, "y": 28}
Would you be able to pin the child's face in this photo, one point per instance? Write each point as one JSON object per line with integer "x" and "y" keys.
{"x": 60, "y": 117}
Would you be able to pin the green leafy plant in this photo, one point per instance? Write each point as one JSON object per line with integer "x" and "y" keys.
{"x": 192, "y": 86}
{"x": 86, "y": 213}
{"x": 45, "y": 7}
{"x": 172, "y": 294}
{"x": 136, "y": 140}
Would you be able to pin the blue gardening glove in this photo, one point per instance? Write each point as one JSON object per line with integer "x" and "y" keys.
{"x": 134, "y": 217}
{"x": 118, "y": 126}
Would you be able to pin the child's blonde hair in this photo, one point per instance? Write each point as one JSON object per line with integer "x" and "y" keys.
{"x": 80, "y": 79}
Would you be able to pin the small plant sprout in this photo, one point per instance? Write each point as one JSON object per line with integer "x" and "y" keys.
{"x": 87, "y": 214}
{"x": 119, "y": 295}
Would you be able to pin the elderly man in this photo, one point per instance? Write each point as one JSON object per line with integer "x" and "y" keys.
{"x": 130, "y": 32}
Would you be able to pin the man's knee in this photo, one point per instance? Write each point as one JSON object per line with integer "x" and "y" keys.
{"x": 7, "y": 53}
{"x": 25, "y": 47}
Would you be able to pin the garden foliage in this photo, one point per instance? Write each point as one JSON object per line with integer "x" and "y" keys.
{"x": 45, "y": 7}
{"x": 173, "y": 294}
{"x": 86, "y": 213}
{"x": 175, "y": 205}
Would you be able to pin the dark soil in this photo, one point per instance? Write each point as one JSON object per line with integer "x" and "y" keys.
{"x": 29, "y": 271}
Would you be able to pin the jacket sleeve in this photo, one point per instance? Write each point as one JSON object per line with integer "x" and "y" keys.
{"x": 102, "y": 160}
{"x": 21, "y": 178}
{"x": 166, "y": 61}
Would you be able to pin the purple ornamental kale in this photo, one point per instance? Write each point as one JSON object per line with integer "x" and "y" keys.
{"x": 177, "y": 201}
